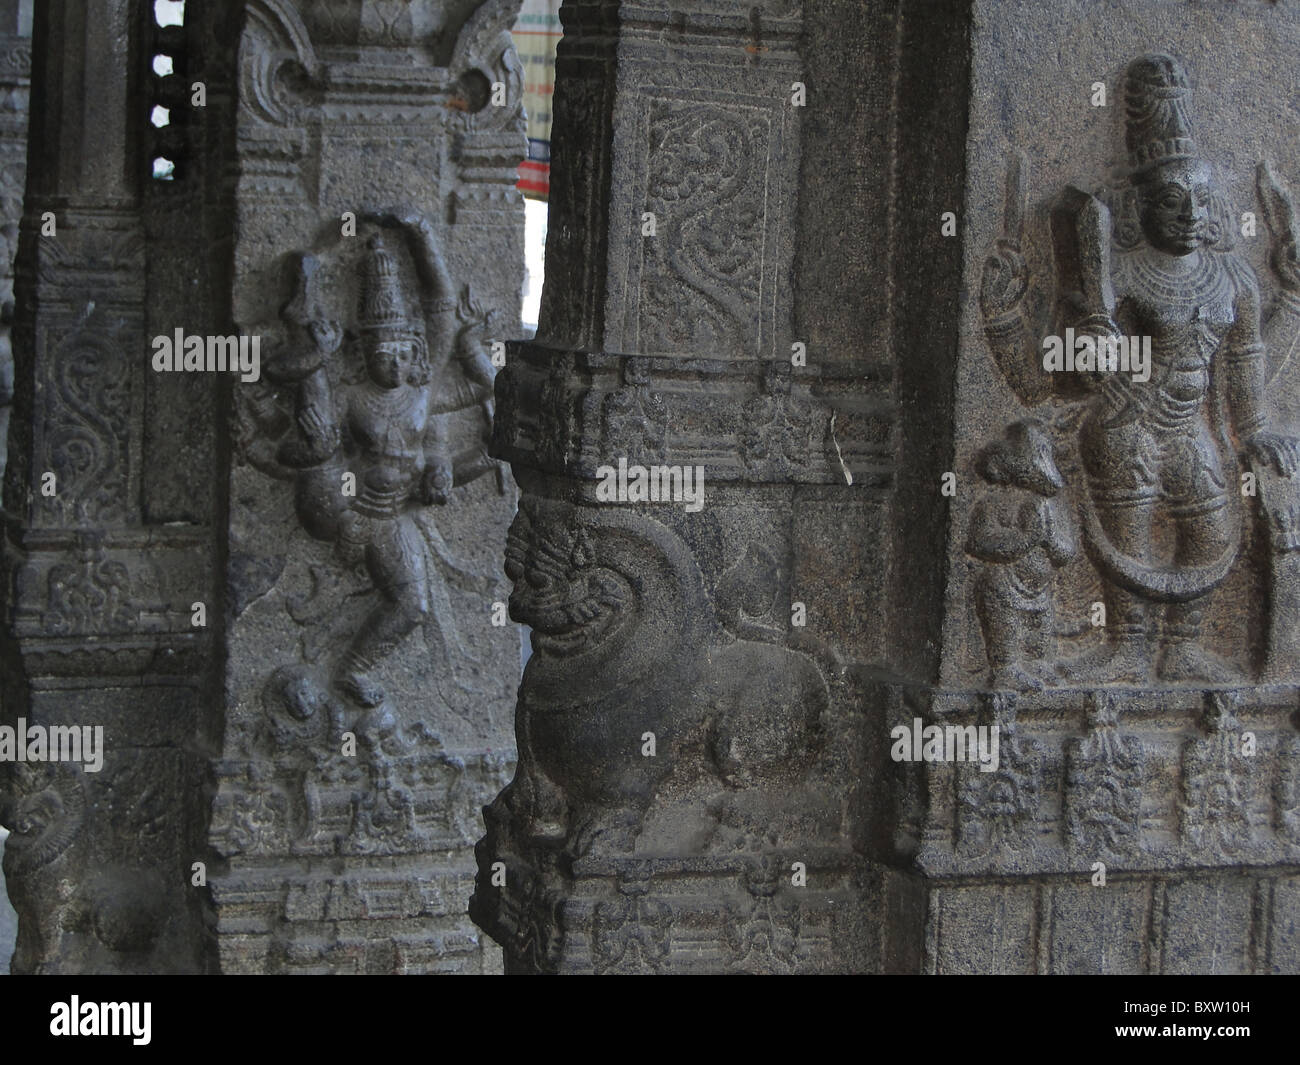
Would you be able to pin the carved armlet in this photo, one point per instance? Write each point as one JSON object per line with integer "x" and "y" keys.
{"x": 1008, "y": 337}
{"x": 1249, "y": 356}
{"x": 1288, "y": 299}
{"x": 1245, "y": 353}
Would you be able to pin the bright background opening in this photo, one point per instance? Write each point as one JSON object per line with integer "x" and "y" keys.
{"x": 169, "y": 12}
{"x": 534, "y": 262}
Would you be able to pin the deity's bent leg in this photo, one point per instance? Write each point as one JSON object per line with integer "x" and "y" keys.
{"x": 319, "y": 501}
{"x": 395, "y": 560}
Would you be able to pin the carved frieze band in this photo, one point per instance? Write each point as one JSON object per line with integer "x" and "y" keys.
{"x": 1141, "y": 780}
{"x": 573, "y": 412}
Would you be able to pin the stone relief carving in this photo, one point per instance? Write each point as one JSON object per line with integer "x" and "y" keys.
{"x": 1104, "y": 782}
{"x": 15, "y": 70}
{"x": 90, "y": 910}
{"x": 705, "y": 188}
{"x": 1218, "y": 784}
{"x": 1022, "y": 534}
{"x": 628, "y": 649}
{"x": 635, "y": 417}
{"x": 375, "y": 412}
{"x": 999, "y": 810}
{"x": 1286, "y": 789}
{"x": 1161, "y": 515}
{"x": 634, "y": 933}
{"x": 93, "y": 594}
{"x": 776, "y": 438}
{"x": 372, "y": 456}
{"x": 88, "y": 439}
{"x": 617, "y": 595}
{"x": 362, "y": 579}
{"x": 763, "y": 931}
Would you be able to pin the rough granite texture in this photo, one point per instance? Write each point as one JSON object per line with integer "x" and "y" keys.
{"x": 940, "y": 661}
{"x": 275, "y": 594}
{"x": 8, "y": 918}
{"x": 946, "y": 511}
{"x": 367, "y": 609}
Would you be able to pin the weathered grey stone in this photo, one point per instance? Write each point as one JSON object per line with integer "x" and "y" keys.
{"x": 369, "y": 687}
{"x": 1116, "y": 591}
{"x": 303, "y": 683}
{"x": 689, "y": 743}
{"x": 104, "y": 553}
{"x": 951, "y": 581}
{"x": 15, "y": 81}
{"x": 811, "y": 248}
{"x": 8, "y": 918}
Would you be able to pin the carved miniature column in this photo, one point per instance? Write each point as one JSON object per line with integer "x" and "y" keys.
{"x": 371, "y": 669}
{"x": 700, "y": 450}
{"x": 109, "y": 597}
{"x": 1117, "y": 600}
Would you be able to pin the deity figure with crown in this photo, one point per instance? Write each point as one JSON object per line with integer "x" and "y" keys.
{"x": 1160, "y": 509}
{"x": 373, "y": 454}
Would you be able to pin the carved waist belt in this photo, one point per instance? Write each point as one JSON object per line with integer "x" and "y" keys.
{"x": 1172, "y": 413}
{"x": 374, "y": 503}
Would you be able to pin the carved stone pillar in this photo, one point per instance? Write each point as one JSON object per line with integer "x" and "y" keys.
{"x": 690, "y": 723}
{"x": 369, "y": 676}
{"x": 1116, "y": 589}
{"x": 1071, "y": 565}
{"x": 109, "y": 499}
{"x": 15, "y": 82}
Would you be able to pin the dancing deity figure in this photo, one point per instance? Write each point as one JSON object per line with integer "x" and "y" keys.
{"x": 372, "y": 455}
{"x": 1159, "y": 454}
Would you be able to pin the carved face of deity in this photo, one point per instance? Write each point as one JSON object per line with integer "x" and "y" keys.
{"x": 390, "y": 361}
{"x": 1175, "y": 206}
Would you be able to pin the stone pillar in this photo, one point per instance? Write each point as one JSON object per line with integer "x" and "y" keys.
{"x": 15, "y": 82}
{"x": 370, "y": 668}
{"x": 690, "y": 724}
{"x": 1094, "y": 570}
{"x": 1110, "y": 579}
{"x": 110, "y": 493}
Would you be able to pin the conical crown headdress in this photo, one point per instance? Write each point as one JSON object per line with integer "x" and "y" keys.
{"x": 383, "y": 304}
{"x": 1157, "y": 112}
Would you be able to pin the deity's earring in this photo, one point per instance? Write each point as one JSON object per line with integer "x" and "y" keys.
{"x": 1219, "y": 232}
{"x": 1125, "y": 213}
{"x": 420, "y": 373}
